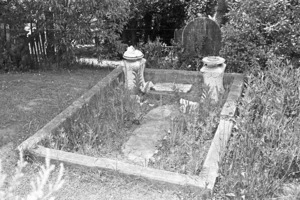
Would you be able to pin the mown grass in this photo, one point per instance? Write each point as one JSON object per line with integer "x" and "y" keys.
{"x": 30, "y": 100}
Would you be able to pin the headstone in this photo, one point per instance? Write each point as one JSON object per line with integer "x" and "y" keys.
{"x": 201, "y": 37}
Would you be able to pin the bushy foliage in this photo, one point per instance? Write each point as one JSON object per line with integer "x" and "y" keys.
{"x": 257, "y": 28}
{"x": 264, "y": 153}
{"x": 151, "y": 19}
{"x": 204, "y": 8}
{"x": 65, "y": 23}
{"x": 159, "y": 55}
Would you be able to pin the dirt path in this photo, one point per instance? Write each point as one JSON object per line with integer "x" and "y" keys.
{"x": 28, "y": 101}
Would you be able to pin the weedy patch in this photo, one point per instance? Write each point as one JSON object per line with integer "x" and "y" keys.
{"x": 101, "y": 127}
{"x": 185, "y": 146}
{"x": 263, "y": 157}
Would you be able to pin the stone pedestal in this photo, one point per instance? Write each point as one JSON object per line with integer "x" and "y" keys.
{"x": 132, "y": 69}
{"x": 134, "y": 66}
{"x": 213, "y": 73}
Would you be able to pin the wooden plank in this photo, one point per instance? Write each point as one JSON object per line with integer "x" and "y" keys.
{"x": 70, "y": 111}
{"x": 229, "y": 107}
{"x": 218, "y": 146}
{"x": 120, "y": 166}
{"x": 179, "y": 76}
{"x": 215, "y": 153}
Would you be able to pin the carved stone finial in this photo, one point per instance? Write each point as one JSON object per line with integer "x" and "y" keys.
{"x": 132, "y": 54}
{"x": 134, "y": 65}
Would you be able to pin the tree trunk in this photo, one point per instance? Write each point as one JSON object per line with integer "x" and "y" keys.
{"x": 50, "y": 34}
{"x": 148, "y": 27}
{"x": 133, "y": 29}
{"x": 222, "y": 9}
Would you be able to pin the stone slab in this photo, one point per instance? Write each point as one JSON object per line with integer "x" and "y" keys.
{"x": 142, "y": 144}
{"x": 169, "y": 87}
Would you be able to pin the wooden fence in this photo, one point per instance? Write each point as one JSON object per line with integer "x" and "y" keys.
{"x": 18, "y": 41}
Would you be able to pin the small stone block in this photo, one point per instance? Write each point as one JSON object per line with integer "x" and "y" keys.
{"x": 169, "y": 87}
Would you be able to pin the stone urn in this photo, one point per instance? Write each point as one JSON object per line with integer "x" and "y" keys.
{"x": 213, "y": 73}
{"x": 134, "y": 65}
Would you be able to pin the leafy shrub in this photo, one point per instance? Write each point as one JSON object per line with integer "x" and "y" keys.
{"x": 158, "y": 55}
{"x": 111, "y": 50}
{"x": 66, "y": 23}
{"x": 257, "y": 28}
{"x": 107, "y": 50}
{"x": 264, "y": 152}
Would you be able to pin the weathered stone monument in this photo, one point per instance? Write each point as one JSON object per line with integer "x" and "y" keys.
{"x": 202, "y": 36}
{"x": 133, "y": 67}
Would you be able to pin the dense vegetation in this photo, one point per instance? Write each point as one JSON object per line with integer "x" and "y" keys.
{"x": 56, "y": 26}
{"x": 258, "y": 29}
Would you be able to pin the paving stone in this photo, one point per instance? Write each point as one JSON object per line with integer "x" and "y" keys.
{"x": 161, "y": 112}
{"x": 142, "y": 145}
{"x": 169, "y": 87}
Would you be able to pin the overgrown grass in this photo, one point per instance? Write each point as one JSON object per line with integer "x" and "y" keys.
{"x": 264, "y": 154}
{"x": 101, "y": 127}
{"x": 186, "y": 144}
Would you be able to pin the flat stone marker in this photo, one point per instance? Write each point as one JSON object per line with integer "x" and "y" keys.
{"x": 169, "y": 87}
{"x": 142, "y": 145}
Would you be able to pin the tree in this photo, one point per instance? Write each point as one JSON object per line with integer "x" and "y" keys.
{"x": 195, "y": 8}
{"x": 67, "y": 21}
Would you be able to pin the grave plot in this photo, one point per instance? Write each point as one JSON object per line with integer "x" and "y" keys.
{"x": 145, "y": 136}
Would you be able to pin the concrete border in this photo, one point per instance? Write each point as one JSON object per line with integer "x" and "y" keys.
{"x": 208, "y": 175}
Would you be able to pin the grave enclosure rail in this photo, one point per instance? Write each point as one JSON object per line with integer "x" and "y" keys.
{"x": 207, "y": 177}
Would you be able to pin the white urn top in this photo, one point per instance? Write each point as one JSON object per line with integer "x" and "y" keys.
{"x": 132, "y": 54}
{"x": 212, "y": 61}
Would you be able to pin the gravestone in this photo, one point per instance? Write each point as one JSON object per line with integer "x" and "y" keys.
{"x": 201, "y": 37}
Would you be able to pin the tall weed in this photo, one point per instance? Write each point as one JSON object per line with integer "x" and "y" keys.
{"x": 264, "y": 153}
{"x": 40, "y": 187}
